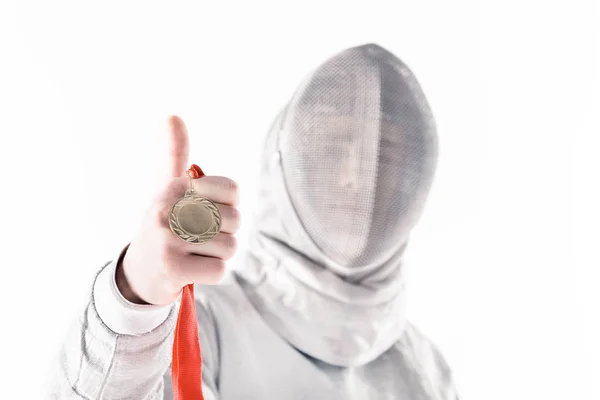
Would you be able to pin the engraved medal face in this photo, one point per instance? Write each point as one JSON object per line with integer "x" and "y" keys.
{"x": 195, "y": 219}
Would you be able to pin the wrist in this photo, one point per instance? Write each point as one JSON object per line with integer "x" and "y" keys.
{"x": 123, "y": 284}
{"x": 119, "y": 314}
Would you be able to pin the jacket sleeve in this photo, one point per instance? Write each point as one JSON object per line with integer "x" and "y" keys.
{"x": 95, "y": 362}
{"x": 119, "y": 350}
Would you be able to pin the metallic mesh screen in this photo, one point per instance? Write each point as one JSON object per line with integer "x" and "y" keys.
{"x": 358, "y": 152}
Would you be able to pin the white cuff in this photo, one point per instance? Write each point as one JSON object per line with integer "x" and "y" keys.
{"x": 119, "y": 314}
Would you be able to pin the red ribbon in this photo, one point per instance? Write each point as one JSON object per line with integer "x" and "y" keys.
{"x": 186, "y": 368}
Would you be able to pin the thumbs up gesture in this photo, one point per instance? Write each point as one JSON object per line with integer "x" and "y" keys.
{"x": 157, "y": 264}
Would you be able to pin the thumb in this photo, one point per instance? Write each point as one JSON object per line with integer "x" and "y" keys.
{"x": 179, "y": 147}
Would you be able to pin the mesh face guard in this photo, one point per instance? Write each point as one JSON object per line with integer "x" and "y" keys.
{"x": 359, "y": 150}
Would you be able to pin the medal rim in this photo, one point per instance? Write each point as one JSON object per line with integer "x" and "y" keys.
{"x": 192, "y": 238}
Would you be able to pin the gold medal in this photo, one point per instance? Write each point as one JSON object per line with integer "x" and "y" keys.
{"x": 193, "y": 218}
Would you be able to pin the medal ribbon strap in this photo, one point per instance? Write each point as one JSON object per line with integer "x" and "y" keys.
{"x": 186, "y": 368}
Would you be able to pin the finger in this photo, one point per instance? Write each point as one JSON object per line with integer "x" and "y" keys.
{"x": 198, "y": 269}
{"x": 222, "y": 246}
{"x": 217, "y": 189}
{"x": 230, "y": 218}
{"x": 178, "y": 147}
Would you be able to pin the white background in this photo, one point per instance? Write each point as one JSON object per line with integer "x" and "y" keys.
{"x": 503, "y": 270}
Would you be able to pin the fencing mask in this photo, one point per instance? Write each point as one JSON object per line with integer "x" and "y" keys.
{"x": 347, "y": 168}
